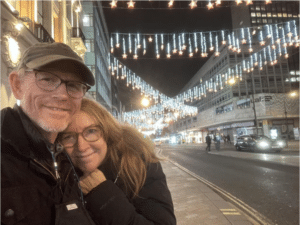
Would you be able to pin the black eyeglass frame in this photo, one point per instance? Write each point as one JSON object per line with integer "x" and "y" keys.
{"x": 62, "y": 81}
{"x": 77, "y": 135}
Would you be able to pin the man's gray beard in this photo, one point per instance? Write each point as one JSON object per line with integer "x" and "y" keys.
{"x": 48, "y": 128}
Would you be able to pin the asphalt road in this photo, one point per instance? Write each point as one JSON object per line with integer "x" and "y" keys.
{"x": 270, "y": 188}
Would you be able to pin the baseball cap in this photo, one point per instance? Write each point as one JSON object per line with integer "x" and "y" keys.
{"x": 44, "y": 54}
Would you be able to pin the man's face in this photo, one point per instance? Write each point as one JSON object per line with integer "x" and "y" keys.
{"x": 50, "y": 110}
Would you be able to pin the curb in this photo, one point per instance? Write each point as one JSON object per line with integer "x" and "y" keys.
{"x": 246, "y": 209}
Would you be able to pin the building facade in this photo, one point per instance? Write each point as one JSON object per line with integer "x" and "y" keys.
{"x": 258, "y": 103}
{"x": 24, "y": 23}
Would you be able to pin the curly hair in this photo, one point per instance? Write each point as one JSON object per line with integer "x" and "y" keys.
{"x": 127, "y": 149}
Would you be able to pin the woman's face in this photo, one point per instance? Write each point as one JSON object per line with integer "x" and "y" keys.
{"x": 86, "y": 155}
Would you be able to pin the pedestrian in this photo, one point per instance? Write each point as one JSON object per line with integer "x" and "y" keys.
{"x": 208, "y": 142}
{"x": 121, "y": 176}
{"x": 38, "y": 185}
{"x": 228, "y": 139}
{"x": 217, "y": 142}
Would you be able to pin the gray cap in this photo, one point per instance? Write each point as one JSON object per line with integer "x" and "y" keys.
{"x": 43, "y": 54}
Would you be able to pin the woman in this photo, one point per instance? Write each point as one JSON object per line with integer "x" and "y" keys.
{"x": 121, "y": 177}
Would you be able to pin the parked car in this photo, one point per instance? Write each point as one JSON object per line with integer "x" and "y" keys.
{"x": 259, "y": 143}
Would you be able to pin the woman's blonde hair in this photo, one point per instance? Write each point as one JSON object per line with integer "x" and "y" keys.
{"x": 127, "y": 149}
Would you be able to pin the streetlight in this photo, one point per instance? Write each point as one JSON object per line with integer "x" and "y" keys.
{"x": 292, "y": 94}
{"x": 145, "y": 102}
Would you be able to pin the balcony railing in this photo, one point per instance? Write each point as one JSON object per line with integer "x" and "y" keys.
{"x": 77, "y": 32}
{"x": 42, "y": 34}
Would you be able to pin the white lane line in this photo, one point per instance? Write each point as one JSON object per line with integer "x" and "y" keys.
{"x": 246, "y": 208}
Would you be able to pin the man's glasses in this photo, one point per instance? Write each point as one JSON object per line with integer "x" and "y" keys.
{"x": 49, "y": 82}
{"x": 90, "y": 134}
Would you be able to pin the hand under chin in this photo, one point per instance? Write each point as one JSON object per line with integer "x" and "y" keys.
{"x": 89, "y": 181}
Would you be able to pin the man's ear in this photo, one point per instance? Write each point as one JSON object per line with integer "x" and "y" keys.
{"x": 15, "y": 84}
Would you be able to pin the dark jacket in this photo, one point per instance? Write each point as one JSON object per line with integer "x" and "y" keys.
{"x": 29, "y": 186}
{"x": 208, "y": 140}
{"x": 108, "y": 203}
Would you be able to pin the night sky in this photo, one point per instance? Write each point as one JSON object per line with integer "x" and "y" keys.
{"x": 167, "y": 75}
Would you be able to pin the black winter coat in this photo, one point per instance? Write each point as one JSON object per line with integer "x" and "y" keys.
{"x": 108, "y": 203}
{"x": 29, "y": 187}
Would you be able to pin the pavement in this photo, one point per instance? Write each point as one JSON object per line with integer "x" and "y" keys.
{"x": 199, "y": 202}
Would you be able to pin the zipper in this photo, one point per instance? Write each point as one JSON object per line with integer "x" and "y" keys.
{"x": 40, "y": 164}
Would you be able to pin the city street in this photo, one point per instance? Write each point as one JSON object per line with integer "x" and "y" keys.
{"x": 267, "y": 182}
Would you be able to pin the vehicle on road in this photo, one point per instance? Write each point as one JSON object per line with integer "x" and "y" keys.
{"x": 258, "y": 143}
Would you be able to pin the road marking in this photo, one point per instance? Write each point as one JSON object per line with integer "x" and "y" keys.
{"x": 258, "y": 217}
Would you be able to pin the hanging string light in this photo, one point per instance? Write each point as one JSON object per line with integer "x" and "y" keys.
{"x": 195, "y": 42}
{"x": 218, "y": 2}
{"x": 265, "y": 56}
{"x": 238, "y": 46}
{"x": 217, "y": 53}
{"x": 183, "y": 41}
{"x": 156, "y": 46}
{"x": 223, "y": 37}
{"x": 243, "y": 36}
{"x": 193, "y": 4}
{"x": 272, "y": 37}
{"x": 249, "y": 2}
{"x": 135, "y": 56}
{"x": 117, "y": 40}
{"x": 113, "y": 4}
{"x": 144, "y": 46}
{"x": 295, "y": 30}
{"x": 260, "y": 62}
{"x": 180, "y": 52}
{"x": 174, "y": 44}
{"x": 130, "y": 4}
{"x": 168, "y": 51}
{"x": 129, "y": 43}
{"x": 261, "y": 38}
{"x": 170, "y": 4}
{"x": 233, "y": 42}
{"x": 277, "y": 34}
{"x": 124, "y": 49}
{"x": 210, "y": 5}
{"x": 229, "y": 41}
{"x": 190, "y": 48}
{"x": 138, "y": 41}
{"x": 250, "y": 41}
{"x": 111, "y": 44}
{"x": 211, "y": 48}
{"x": 162, "y": 42}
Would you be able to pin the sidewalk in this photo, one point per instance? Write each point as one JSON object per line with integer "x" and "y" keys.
{"x": 197, "y": 204}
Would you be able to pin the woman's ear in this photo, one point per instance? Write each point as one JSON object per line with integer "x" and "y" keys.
{"x": 16, "y": 84}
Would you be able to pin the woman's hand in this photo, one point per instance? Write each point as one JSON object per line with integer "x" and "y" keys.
{"x": 92, "y": 180}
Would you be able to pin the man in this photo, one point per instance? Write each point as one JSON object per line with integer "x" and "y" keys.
{"x": 38, "y": 185}
{"x": 208, "y": 142}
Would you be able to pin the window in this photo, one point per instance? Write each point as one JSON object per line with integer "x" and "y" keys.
{"x": 269, "y": 20}
{"x": 269, "y": 14}
{"x": 258, "y": 14}
{"x": 274, "y": 15}
{"x": 290, "y": 15}
{"x": 284, "y": 15}
{"x": 89, "y": 44}
{"x": 253, "y": 21}
{"x": 263, "y": 8}
{"x": 279, "y": 15}
{"x": 263, "y": 15}
{"x": 264, "y": 21}
{"x": 258, "y": 20}
{"x": 257, "y": 8}
{"x": 87, "y": 20}
{"x": 253, "y": 14}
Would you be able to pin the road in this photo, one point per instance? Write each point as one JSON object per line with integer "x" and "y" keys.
{"x": 269, "y": 187}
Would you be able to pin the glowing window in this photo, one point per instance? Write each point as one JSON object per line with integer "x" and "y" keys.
{"x": 264, "y": 20}
{"x": 279, "y": 15}
{"x": 263, "y": 15}
{"x": 274, "y": 15}
{"x": 269, "y": 14}
{"x": 284, "y": 15}
{"x": 253, "y": 14}
{"x": 258, "y": 14}
{"x": 290, "y": 15}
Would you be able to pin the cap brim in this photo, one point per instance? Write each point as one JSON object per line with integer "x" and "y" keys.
{"x": 45, "y": 60}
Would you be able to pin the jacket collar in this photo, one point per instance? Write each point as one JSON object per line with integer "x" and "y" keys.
{"x": 20, "y": 131}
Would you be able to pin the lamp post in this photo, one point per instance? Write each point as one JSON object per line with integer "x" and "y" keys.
{"x": 292, "y": 94}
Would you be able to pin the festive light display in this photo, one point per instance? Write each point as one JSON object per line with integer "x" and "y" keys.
{"x": 281, "y": 36}
{"x": 179, "y": 43}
